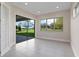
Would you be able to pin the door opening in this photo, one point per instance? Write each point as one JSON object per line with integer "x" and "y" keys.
{"x": 25, "y": 29}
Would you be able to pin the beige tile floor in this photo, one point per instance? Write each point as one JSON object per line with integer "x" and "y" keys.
{"x": 41, "y": 48}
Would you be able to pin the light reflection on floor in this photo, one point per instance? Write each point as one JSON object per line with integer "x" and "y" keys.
{"x": 41, "y": 48}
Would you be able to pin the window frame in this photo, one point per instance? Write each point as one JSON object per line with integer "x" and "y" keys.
{"x": 76, "y": 10}
{"x": 53, "y": 30}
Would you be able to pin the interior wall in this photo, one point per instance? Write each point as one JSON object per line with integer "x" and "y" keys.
{"x": 21, "y": 12}
{"x": 0, "y": 27}
{"x": 8, "y": 25}
{"x": 75, "y": 32}
{"x": 5, "y": 41}
{"x": 8, "y": 39}
{"x": 61, "y": 36}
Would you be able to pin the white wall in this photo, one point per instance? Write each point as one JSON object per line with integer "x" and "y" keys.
{"x": 8, "y": 25}
{"x": 0, "y": 27}
{"x": 8, "y": 35}
{"x": 5, "y": 41}
{"x": 61, "y": 36}
{"x": 17, "y": 11}
{"x": 75, "y": 32}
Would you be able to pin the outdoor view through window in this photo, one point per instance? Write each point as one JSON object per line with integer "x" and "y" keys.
{"x": 53, "y": 24}
{"x": 25, "y": 28}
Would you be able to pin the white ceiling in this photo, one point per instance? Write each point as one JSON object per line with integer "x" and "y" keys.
{"x": 43, "y": 7}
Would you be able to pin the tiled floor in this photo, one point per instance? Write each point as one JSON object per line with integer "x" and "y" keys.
{"x": 41, "y": 48}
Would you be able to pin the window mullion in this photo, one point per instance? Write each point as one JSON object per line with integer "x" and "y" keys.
{"x": 54, "y": 23}
{"x": 46, "y": 24}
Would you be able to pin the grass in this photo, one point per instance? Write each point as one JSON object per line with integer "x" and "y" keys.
{"x": 24, "y": 32}
{"x": 31, "y": 32}
{"x": 54, "y": 30}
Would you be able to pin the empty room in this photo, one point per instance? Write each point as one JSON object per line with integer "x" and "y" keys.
{"x": 39, "y": 29}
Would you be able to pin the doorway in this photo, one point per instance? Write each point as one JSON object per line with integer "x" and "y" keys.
{"x": 25, "y": 29}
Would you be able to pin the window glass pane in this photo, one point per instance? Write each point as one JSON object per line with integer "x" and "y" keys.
{"x": 43, "y": 25}
{"x": 50, "y": 24}
{"x": 31, "y": 23}
{"x": 54, "y": 24}
{"x": 77, "y": 9}
{"x": 31, "y": 26}
{"x": 74, "y": 12}
{"x": 59, "y": 24}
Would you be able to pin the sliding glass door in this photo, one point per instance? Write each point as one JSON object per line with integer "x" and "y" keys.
{"x": 25, "y": 29}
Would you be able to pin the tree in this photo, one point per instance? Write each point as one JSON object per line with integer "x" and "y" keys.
{"x": 16, "y": 27}
{"x": 43, "y": 25}
{"x": 19, "y": 26}
{"x": 59, "y": 23}
{"x": 52, "y": 25}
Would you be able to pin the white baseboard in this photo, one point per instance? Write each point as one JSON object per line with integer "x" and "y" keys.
{"x": 62, "y": 40}
{"x": 74, "y": 50}
{"x": 6, "y": 50}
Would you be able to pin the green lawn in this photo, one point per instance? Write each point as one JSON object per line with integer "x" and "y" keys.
{"x": 24, "y": 32}
{"x": 53, "y": 30}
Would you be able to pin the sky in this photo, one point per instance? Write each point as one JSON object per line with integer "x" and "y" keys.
{"x": 25, "y": 23}
{"x": 49, "y": 21}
